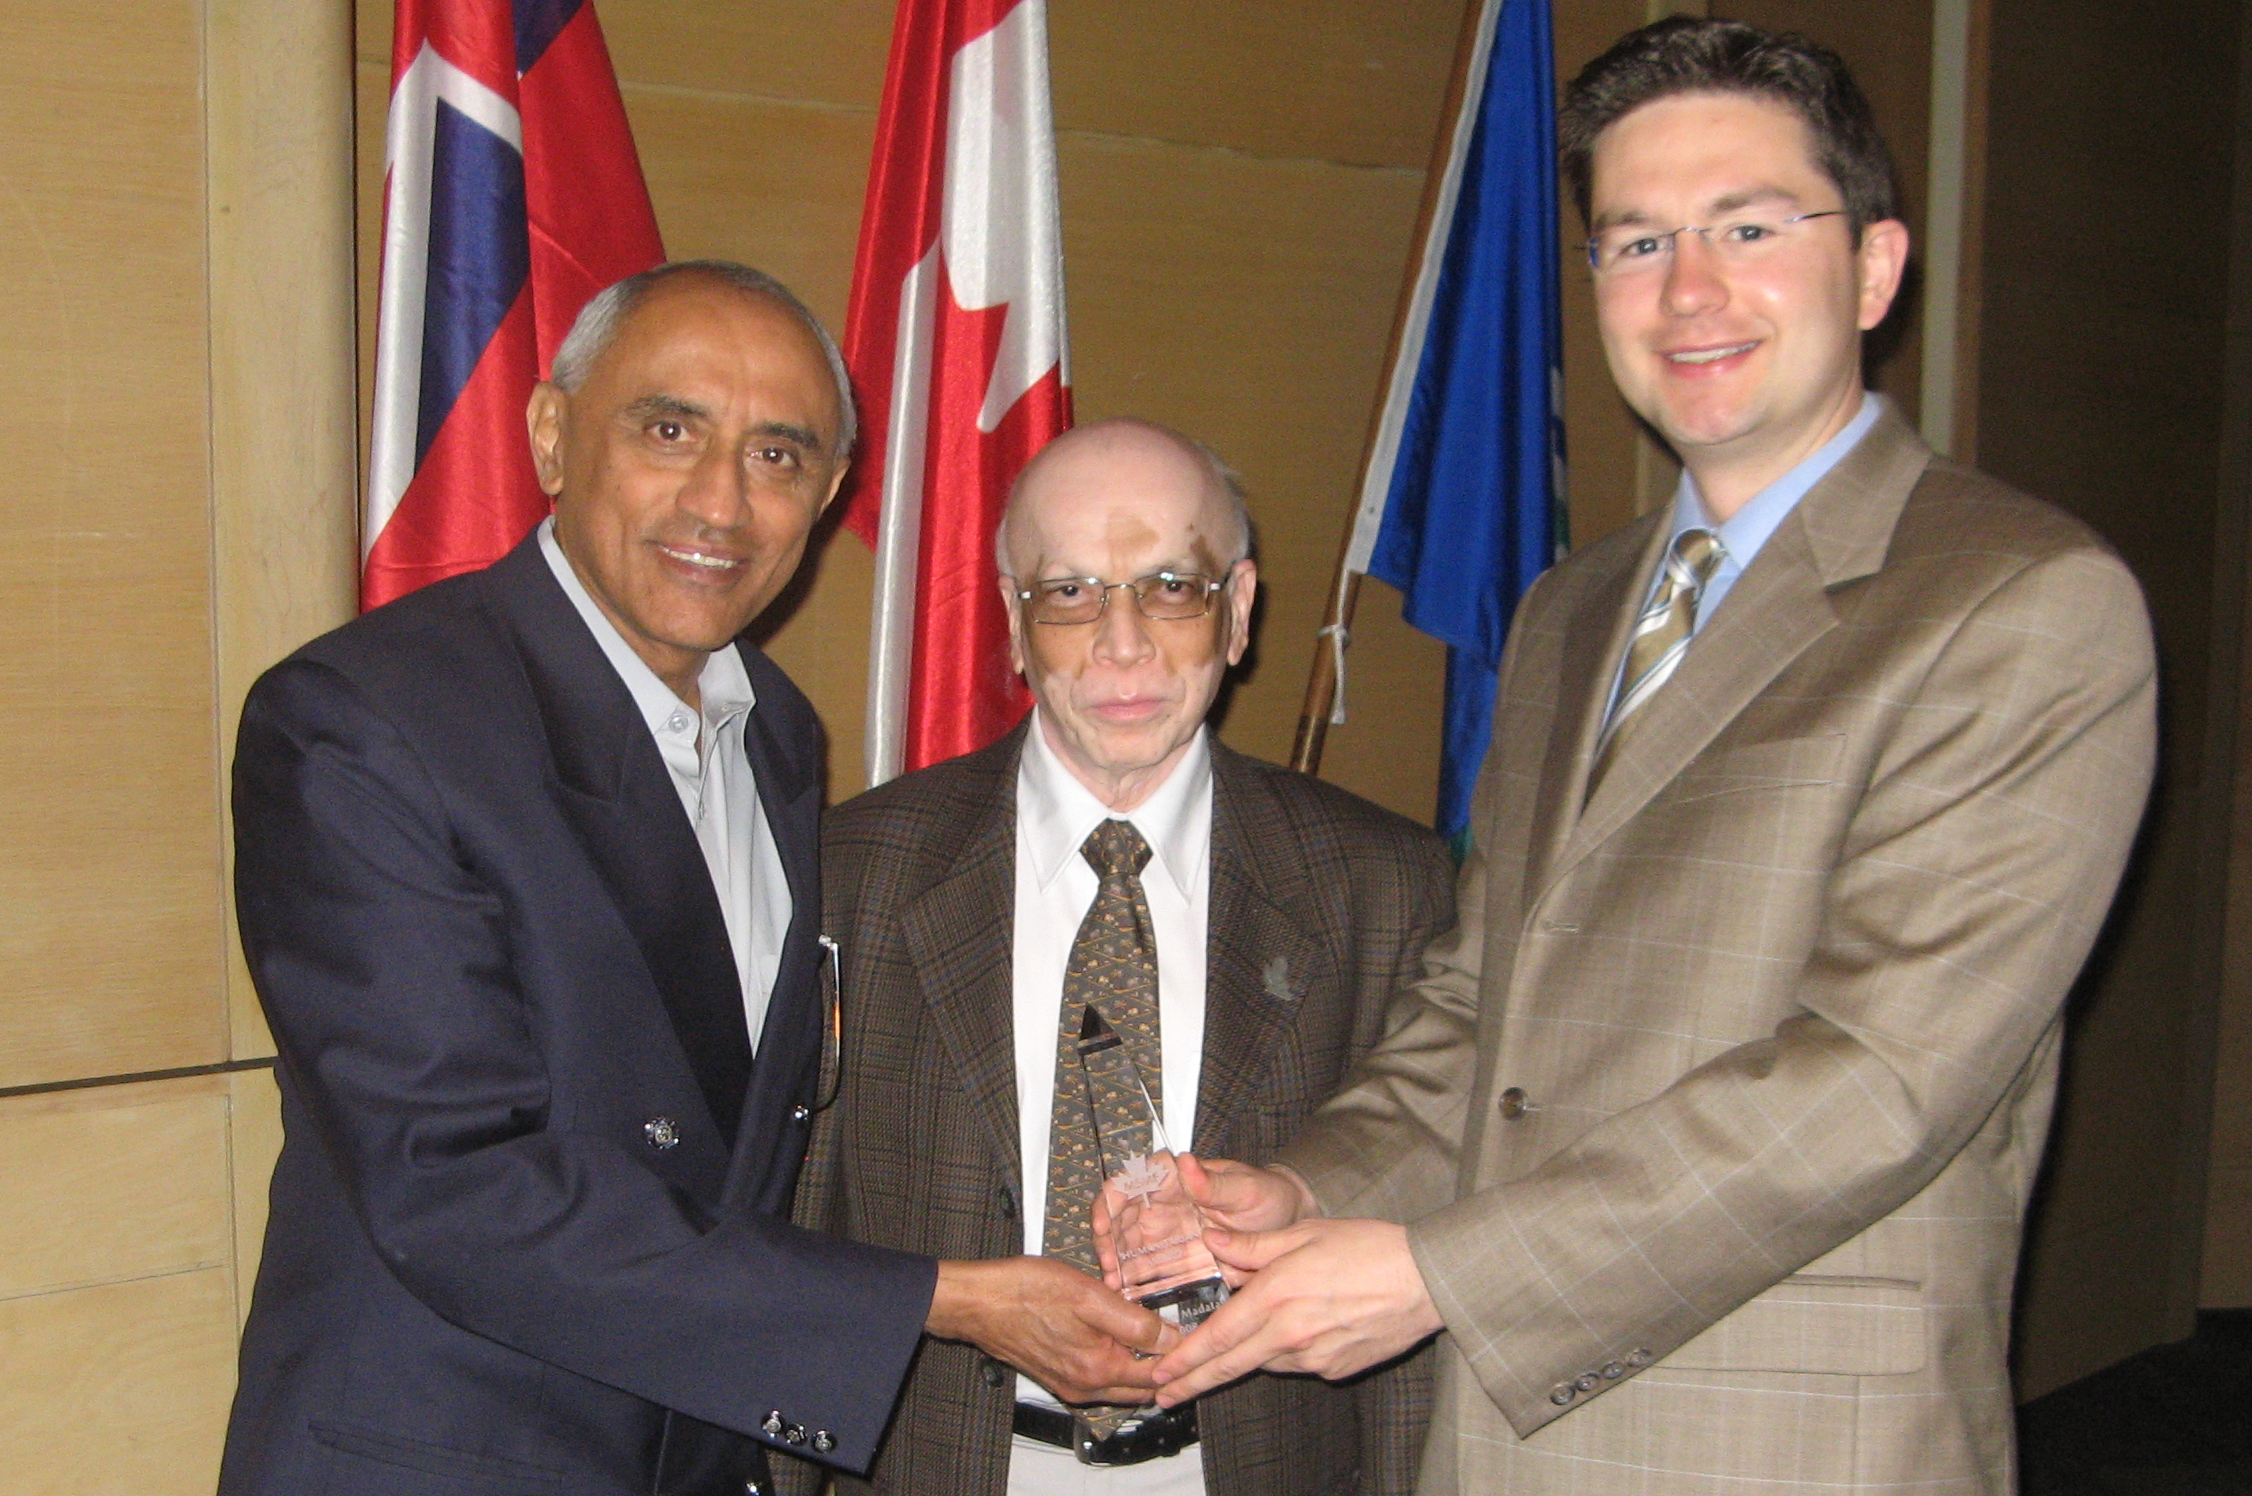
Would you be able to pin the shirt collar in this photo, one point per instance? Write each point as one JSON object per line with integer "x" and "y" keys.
{"x": 1748, "y": 529}
{"x": 1056, "y": 813}
{"x": 724, "y": 684}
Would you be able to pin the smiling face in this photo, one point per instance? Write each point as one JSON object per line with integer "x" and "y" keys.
{"x": 689, "y": 466}
{"x": 1745, "y": 368}
{"x": 1121, "y": 698}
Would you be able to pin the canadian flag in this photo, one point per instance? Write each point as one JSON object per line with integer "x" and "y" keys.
{"x": 956, "y": 340}
{"x": 512, "y": 195}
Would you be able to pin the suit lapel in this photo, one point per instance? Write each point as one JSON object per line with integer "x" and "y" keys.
{"x": 962, "y": 951}
{"x": 615, "y": 791}
{"x": 1776, "y": 609}
{"x": 1595, "y": 639}
{"x": 1258, "y": 959}
{"x": 1775, "y": 612}
{"x": 791, "y": 799}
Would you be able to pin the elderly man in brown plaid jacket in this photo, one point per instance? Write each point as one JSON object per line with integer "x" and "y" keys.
{"x": 1284, "y": 912}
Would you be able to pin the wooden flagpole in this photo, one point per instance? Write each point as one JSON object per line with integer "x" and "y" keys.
{"x": 1345, "y": 589}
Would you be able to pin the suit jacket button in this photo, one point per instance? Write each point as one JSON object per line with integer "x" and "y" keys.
{"x": 991, "y": 1372}
{"x": 1639, "y": 1358}
{"x": 1586, "y": 1381}
{"x": 753, "y": 1488}
{"x": 794, "y": 1434}
{"x": 1562, "y": 1394}
{"x": 772, "y": 1424}
{"x": 1612, "y": 1371}
{"x": 662, "y": 1133}
{"x": 800, "y": 1112}
{"x": 824, "y": 1441}
{"x": 1513, "y": 1103}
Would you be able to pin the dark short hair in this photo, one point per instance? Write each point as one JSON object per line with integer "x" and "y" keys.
{"x": 1683, "y": 54}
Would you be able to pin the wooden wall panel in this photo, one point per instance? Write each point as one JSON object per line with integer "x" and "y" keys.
{"x": 371, "y": 88}
{"x": 113, "y": 1182}
{"x": 122, "y": 1388}
{"x": 110, "y": 933}
{"x": 284, "y": 448}
{"x": 254, "y": 1139}
{"x": 117, "y": 1282}
{"x": 760, "y": 181}
{"x": 1312, "y": 79}
{"x": 2225, "y": 1272}
{"x": 2099, "y": 388}
{"x": 180, "y": 256}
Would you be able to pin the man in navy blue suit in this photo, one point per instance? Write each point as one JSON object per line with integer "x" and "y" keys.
{"x": 527, "y": 879}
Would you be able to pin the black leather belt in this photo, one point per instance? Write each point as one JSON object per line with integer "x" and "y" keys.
{"x": 1155, "y": 1434}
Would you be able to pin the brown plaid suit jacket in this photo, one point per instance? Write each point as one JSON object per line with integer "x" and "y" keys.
{"x": 1715, "y": 1119}
{"x": 1321, "y": 906}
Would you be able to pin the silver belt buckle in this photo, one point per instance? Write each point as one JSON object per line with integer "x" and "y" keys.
{"x": 1084, "y": 1439}
{"x": 1171, "y": 1437}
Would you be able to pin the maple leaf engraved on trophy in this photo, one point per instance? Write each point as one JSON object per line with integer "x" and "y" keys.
{"x": 1143, "y": 1176}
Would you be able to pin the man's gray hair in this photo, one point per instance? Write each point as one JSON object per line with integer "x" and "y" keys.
{"x": 599, "y": 320}
{"x": 1241, "y": 539}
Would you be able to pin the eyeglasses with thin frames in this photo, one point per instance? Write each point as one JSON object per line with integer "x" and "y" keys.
{"x": 1162, "y": 595}
{"x": 1627, "y": 249}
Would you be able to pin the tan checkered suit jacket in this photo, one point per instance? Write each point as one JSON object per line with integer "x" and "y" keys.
{"x": 1716, "y": 1117}
{"x": 1321, "y": 905}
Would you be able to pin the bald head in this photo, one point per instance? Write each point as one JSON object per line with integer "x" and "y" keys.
{"x": 1125, "y": 453}
{"x": 1122, "y": 695}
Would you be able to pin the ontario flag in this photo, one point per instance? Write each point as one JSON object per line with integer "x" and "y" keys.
{"x": 512, "y": 194}
{"x": 957, "y": 344}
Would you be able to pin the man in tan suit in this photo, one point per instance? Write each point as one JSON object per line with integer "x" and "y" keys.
{"x": 1284, "y": 914}
{"x": 1706, "y": 1138}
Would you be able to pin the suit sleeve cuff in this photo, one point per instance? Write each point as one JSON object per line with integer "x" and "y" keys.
{"x": 834, "y": 1352}
{"x": 1535, "y": 1354}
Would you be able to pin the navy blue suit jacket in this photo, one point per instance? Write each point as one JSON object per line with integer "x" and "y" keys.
{"x": 499, "y": 980}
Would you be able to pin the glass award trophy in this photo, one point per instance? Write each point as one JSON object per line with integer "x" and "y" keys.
{"x": 1159, "y": 1232}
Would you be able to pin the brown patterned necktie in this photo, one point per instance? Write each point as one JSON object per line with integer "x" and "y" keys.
{"x": 1661, "y": 638}
{"x": 1113, "y": 965}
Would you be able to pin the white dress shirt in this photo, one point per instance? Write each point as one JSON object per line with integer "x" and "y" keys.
{"x": 1055, "y": 887}
{"x": 712, "y": 774}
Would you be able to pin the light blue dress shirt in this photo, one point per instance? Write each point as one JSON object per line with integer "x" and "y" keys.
{"x": 1748, "y": 528}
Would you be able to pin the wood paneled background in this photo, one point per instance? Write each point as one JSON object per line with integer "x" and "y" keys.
{"x": 176, "y": 493}
{"x": 2101, "y": 386}
{"x": 191, "y": 193}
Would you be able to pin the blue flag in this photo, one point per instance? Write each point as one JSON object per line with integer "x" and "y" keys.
{"x": 1462, "y": 502}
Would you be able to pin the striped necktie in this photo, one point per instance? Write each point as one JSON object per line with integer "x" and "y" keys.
{"x": 1661, "y": 638}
